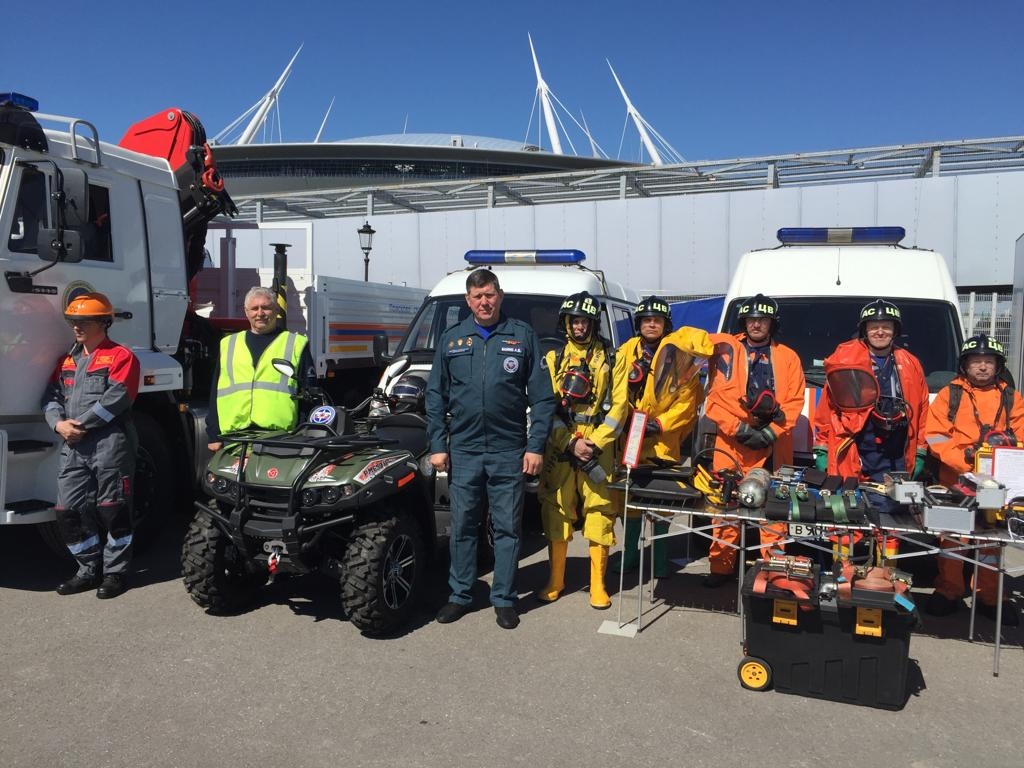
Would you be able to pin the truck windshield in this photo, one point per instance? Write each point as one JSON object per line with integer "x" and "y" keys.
{"x": 814, "y": 327}
{"x": 439, "y": 312}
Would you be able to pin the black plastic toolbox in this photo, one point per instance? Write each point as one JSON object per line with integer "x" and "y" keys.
{"x": 827, "y": 649}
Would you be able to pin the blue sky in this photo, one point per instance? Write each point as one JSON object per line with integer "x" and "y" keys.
{"x": 718, "y": 79}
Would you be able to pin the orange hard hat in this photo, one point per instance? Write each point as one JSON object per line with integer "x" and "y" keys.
{"x": 90, "y": 305}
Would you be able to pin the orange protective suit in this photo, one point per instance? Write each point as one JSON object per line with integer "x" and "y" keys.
{"x": 837, "y": 430}
{"x": 948, "y": 440}
{"x": 729, "y": 370}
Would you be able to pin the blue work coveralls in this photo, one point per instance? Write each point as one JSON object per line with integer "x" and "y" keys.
{"x": 486, "y": 386}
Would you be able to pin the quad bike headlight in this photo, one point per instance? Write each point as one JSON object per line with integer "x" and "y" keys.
{"x": 310, "y": 497}
{"x": 332, "y": 494}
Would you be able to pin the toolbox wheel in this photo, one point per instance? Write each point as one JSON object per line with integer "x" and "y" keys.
{"x": 754, "y": 674}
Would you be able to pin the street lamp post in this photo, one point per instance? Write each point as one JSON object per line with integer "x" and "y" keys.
{"x": 366, "y": 233}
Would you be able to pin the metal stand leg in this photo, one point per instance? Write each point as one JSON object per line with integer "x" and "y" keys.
{"x": 617, "y": 627}
{"x": 999, "y": 611}
{"x": 742, "y": 554}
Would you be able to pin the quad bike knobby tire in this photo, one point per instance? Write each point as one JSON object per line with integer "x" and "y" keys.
{"x": 215, "y": 574}
{"x": 383, "y": 572}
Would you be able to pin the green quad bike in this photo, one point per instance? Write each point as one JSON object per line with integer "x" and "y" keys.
{"x": 364, "y": 509}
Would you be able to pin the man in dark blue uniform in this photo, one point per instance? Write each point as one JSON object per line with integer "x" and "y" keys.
{"x": 487, "y": 370}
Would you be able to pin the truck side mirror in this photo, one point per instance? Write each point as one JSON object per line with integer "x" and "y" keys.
{"x": 69, "y": 210}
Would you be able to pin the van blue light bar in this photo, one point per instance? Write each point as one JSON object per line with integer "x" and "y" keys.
{"x": 841, "y": 235}
{"x": 19, "y": 100}
{"x": 571, "y": 256}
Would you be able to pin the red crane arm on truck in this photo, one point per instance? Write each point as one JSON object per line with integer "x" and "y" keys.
{"x": 179, "y": 137}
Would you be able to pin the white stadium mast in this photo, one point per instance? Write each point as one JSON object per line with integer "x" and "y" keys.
{"x": 261, "y": 108}
{"x": 543, "y": 93}
{"x": 645, "y": 130}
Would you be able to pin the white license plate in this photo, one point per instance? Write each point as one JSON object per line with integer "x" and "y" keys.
{"x": 806, "y": 531}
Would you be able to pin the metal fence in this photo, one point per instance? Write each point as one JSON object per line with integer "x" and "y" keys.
{"x": 989, "y": 313}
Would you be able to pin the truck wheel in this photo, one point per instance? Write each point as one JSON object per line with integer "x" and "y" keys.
{"x": 383, "y": 572}
{"x": 50, "y": 533}
{"x": 215, "y": 574}
{"x": 153, "y": 496}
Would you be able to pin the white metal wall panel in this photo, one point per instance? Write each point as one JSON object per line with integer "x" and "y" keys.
{"x": 690, "y": 243}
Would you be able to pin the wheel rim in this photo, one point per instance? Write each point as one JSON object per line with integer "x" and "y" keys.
{"x": 399, "y": 572}
{"x": 754, "y": 674}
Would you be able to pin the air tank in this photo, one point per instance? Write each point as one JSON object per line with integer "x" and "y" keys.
{"x": 753, "y": 488}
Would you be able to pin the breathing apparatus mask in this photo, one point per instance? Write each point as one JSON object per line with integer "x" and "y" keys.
{"x": 763, "y": 408}
{"x": 576, "y": 386}
{"x": 890, "y": 414}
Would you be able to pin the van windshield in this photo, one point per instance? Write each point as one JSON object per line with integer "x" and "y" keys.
{"x": 440, "y": 312}
{"x": 814, "y": 327}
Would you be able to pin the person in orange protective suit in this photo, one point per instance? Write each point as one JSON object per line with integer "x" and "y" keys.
{"x": 977, "y": 408}
{"x": 871, "y": 417}
{"x": 574, "y": 478}
{"x": 655, "y": 373}
{"x": 756, "y": 395}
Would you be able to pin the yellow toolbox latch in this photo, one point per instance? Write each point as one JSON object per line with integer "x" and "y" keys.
{"x": 869, "y": 622}
{"x": 784, "y": 612}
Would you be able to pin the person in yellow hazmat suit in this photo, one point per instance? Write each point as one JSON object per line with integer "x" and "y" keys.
{"x": 655, "y": 372}
{"x": 574, "y": 480}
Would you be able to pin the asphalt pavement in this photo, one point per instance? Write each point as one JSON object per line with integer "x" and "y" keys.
{"x": 149, "y": 679}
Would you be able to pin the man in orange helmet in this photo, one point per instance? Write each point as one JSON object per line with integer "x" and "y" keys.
{"x": 88, "y": 403}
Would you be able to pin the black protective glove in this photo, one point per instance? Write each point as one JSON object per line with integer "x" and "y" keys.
{"x": 754, "y": 438}
{"x": 653, "y": 427}
{"x": 969, "y": 456}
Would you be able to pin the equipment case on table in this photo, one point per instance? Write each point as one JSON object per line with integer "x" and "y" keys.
{"x": 827, "y": 649}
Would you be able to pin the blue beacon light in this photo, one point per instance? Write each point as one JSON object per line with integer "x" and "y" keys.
{"x": 841, "y": 235}
{"x": 568, "y": 256}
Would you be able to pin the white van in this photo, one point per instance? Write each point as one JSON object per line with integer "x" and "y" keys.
{"x": 534, "y": 283}
{"x": 821, "y": 277}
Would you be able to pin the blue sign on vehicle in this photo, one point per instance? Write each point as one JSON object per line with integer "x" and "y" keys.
{"x": 323, "y": 415}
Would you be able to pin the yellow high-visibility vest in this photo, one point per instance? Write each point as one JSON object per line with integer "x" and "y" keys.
{"x": 260, "y": 396}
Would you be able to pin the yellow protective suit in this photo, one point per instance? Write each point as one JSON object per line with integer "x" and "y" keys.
{"x": 670, "y": 394}
{"x": 565, "y": 491}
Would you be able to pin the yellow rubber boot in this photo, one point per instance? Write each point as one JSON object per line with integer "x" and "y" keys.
{"x": 557, "y": 551}
{"x": 598, "y": 565}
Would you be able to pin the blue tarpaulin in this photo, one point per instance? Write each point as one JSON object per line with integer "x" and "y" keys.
{"x": 698, "y": 313}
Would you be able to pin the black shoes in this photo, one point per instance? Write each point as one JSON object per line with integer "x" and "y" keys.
{"x": 940, "y": 605}
{"x": 506, "y": 617}
{"x": 1010, "y": 617}
{"x": 716, "y": 580}
{"x": 451, "y": 612}
{"x": 113, "y": 585}
{"x": 77, "y": 584}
